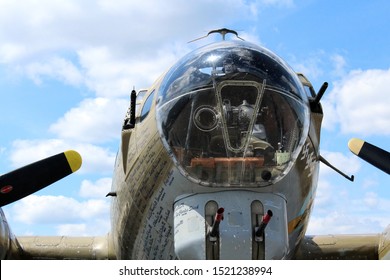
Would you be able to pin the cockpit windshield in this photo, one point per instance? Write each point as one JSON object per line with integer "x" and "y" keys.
{"x": 232, "y": 114}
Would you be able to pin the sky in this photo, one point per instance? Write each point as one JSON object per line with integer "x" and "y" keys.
{"x": 67, "y": 69}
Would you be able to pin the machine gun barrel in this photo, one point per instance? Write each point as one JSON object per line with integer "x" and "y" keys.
{"x": 214, "y": 232}
{"x": 259, "y": 234}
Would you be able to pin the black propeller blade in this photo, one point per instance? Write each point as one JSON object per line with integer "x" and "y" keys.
{"x": 36, "y": 176}
{"x": 370, "y": 153}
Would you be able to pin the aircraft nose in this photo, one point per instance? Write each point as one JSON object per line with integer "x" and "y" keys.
{"x": 227, "y": 119}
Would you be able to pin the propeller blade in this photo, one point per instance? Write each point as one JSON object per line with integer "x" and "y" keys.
{"x": 370, "y": 153}
{"x": 36, "y": 176}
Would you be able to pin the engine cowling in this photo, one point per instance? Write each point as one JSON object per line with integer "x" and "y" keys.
{"x": 384, "y": 245}
{"x": 9, "y": 246}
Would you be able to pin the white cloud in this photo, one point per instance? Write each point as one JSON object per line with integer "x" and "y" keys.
{"x": 112, "y": 46}
{"x": 27, "y": 151}
{"x": 58, "y": 210}
{"x": 337, "y": 210}
{"x": 351, "y": 208}
{"x": 349, "y": 164}
{"x": 371, "y": 199}
{"x": 69, "y": 216}
{"x": 72, "y": 229}
{"x": 110, "y": 75}
{"x": 336, "y": 222}
{"x": 33, "y": 27}
{"x": 96, "y": 227}
{"x": 124, "y": 26}
{"x": 313, "y": 65}
{"x": 57, "y": 68}
{"x": 370, "y": 183}
{"x": 339, "y": 64}
{"x": 346, "y": 222}
{"x": 94, "y": 121}
{"x": 359, "y": 103}
{"x": 324, "y": 195}
{"x": 95, "y": 158}
{"x": 310, "y": 66}
{"x": 374, "y": 202}
{"x": 97, "y": 189}
{"x": 10, "y": 52}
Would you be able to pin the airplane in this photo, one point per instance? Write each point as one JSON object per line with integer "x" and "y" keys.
{"x": 219, "y": 159}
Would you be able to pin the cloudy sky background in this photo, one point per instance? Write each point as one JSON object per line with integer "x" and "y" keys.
{"x": 67, "y": 68}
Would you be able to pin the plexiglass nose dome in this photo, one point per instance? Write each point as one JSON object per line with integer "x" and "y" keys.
{"x": 232, "y": 114}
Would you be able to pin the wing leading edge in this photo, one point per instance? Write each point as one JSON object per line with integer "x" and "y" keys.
{"x": 348, "y": 247}
{"x": 65, "y": 247}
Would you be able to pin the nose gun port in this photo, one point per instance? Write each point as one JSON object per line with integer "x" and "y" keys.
{"x": 259, "y": 231}
{"x": 214, "y": 232}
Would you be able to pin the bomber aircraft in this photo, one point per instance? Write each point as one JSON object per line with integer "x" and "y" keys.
{"x": 219, "y": 159}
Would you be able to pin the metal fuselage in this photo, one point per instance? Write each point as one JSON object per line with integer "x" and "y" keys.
{"x": 167, "y": 191}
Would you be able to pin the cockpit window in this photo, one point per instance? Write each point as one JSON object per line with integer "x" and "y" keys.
{"x": 232, "y": 115}
{"x": 147, "y": 105}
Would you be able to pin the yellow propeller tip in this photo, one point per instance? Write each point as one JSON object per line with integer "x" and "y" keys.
{"x": 355, "y": 145}
{"x": 74, "y": 160}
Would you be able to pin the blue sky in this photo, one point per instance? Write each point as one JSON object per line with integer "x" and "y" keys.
{"x": 67, "y": 68}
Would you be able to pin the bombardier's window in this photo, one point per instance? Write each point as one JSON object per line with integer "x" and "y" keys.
{"x": 147, "y": 106}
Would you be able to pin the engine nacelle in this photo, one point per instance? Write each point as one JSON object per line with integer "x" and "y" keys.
{"x": 384, "y": 245}
{"x": 9, "y": 247}
{"x": 53, "y": 247}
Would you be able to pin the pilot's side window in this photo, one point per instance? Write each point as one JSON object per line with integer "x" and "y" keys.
{"x": 309, "y": 91}
{"x": 147, "y": 106}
